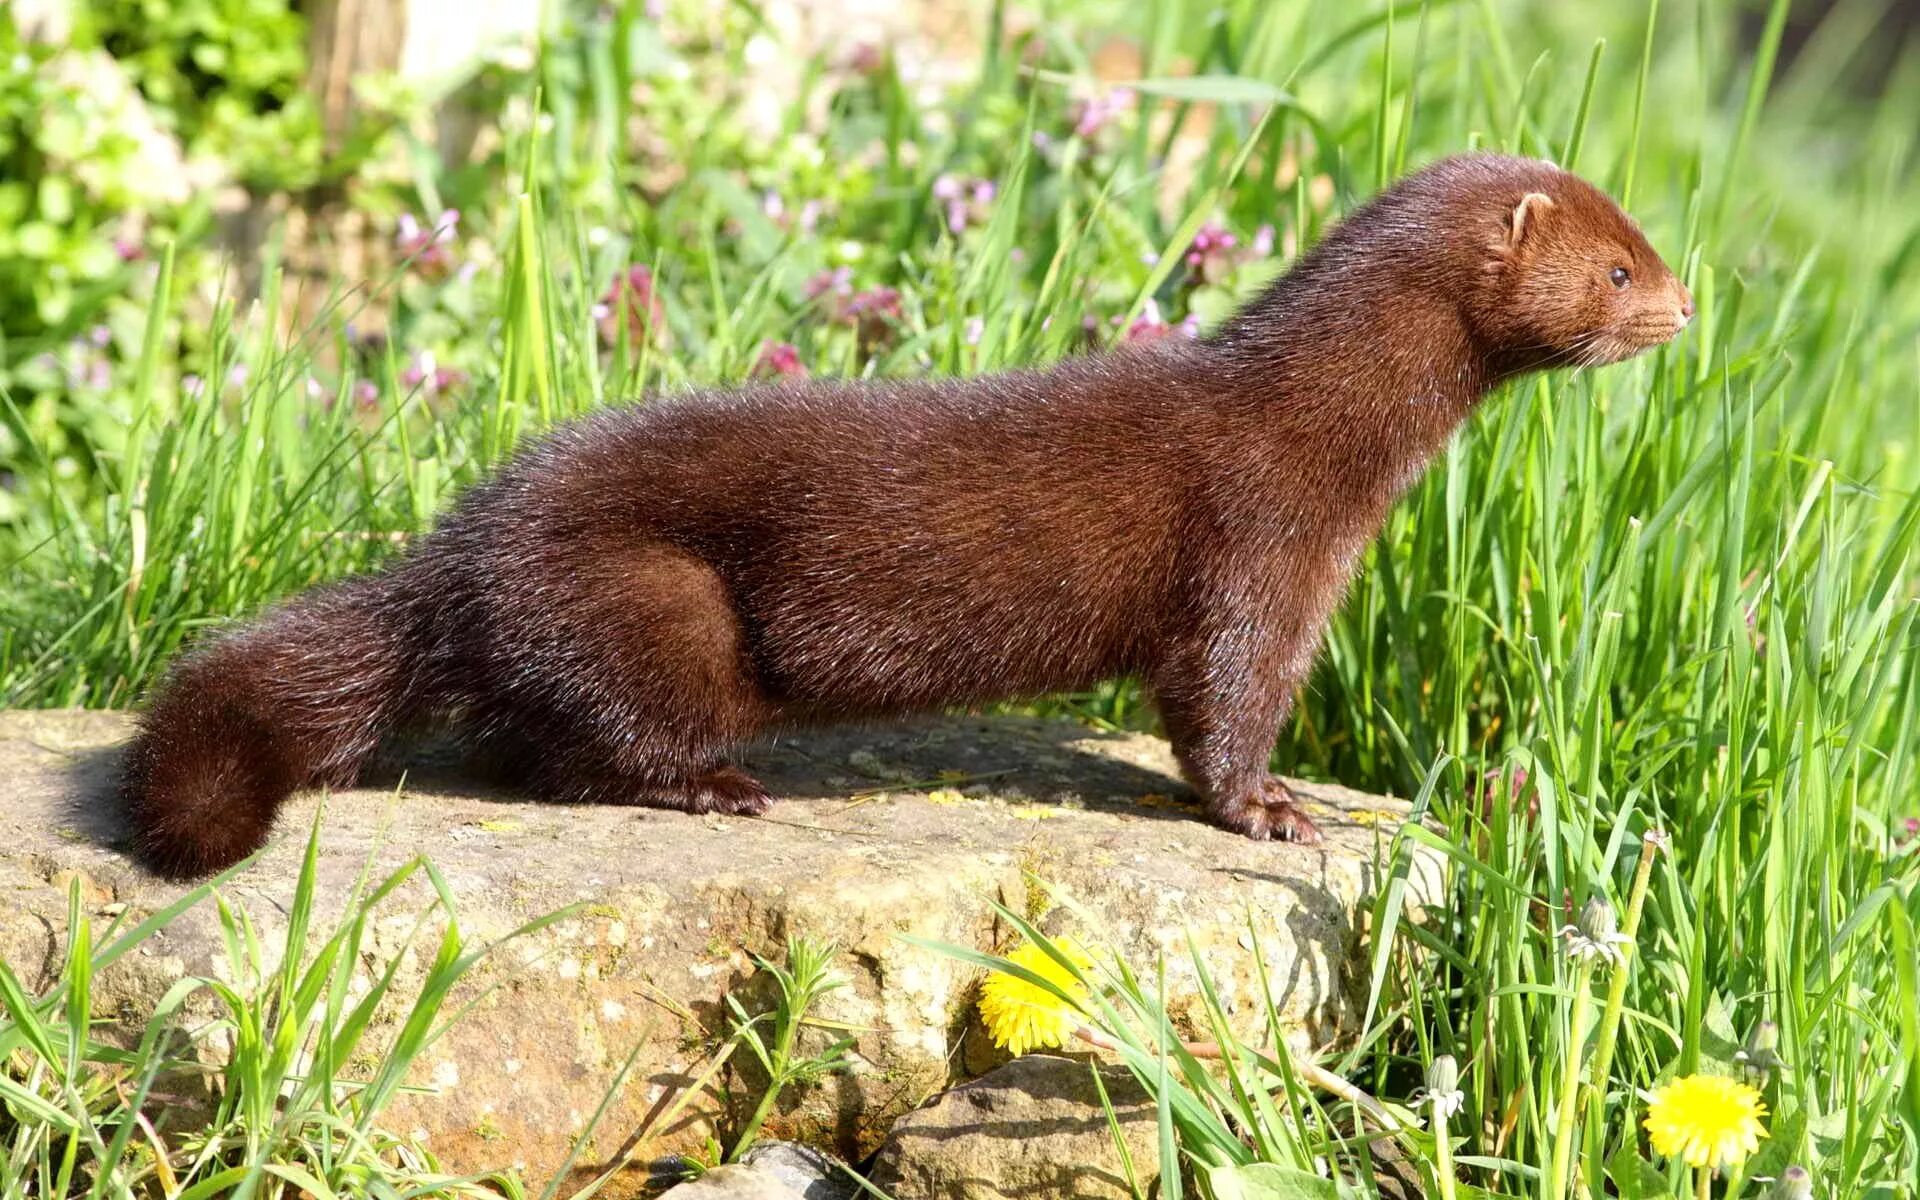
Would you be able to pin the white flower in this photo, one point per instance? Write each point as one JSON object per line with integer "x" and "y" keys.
{"x": 1595, "y": 938}
{"x": 1443, "y": 1088}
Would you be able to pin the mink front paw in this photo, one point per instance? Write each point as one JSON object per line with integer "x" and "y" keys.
{"x": 1247, "y": 817}
{"x": 1287, "y": 820}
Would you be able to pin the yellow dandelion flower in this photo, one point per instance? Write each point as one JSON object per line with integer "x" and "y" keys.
{"x": 1022, "y": 1016}
{"x": 1706, "y": 1120}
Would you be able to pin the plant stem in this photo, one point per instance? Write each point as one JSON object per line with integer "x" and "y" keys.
{"x": 1443, "y": 1153}
{"x": 1570, "y": 1083}
{"x": 1604, "y": 1039}
{"x": 1703, "y": 1185}
{"x": 1317, "y": 1076}
{"x": 1617, "y": 985}
{"x": 751, "y": 1129}
{"x": 782, "y": 1055}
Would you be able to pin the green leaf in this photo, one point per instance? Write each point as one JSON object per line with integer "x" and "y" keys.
{"x": 1270, "y": 1181}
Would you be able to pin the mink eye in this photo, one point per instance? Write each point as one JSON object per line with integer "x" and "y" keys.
{"x": 1620, "y": 277}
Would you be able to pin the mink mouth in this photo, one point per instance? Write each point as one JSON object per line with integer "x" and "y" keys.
{"x": 1620, "y": 342}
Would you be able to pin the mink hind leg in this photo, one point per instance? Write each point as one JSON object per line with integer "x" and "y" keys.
{"x": 631, "y": 689}
{"x": 1222, "y": 715}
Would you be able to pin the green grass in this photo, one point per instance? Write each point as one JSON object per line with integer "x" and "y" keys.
{"x": 297, "y": 1105}
{"x": 315, "y": 1037}
{"x": 1679, "y": 592}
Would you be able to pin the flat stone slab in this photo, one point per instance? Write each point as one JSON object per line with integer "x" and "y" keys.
{"x": 910, "y": 829}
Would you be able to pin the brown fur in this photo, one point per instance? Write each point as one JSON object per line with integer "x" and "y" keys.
{"x": 645, "y": 589}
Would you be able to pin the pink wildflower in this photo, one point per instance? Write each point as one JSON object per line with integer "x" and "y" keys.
{"x": 778, "y": 360}
{"x": 632, "y": 293}
{"x": 967, "y": 201}
{"x": 429, "y": 251}
{"x": 1092, "y": 115}
{"x": 1147, "y": 327}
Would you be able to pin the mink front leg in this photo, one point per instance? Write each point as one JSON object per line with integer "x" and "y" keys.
{"x": 1223, "y": 694}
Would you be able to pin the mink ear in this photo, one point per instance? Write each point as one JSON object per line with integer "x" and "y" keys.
{"x": 1526, "y": 215}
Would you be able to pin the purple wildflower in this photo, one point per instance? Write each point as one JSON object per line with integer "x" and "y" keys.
{"x": 774, "y": 208}
{"x": 1211, "y": 257}
{"x": 366, "y": 393}
{"x": 631, "y": 292}
{"x": 100, "y": 336}
{"x": 428, "y": 250}
{"x": 836, "y": 283}
{"x": 874, "y": 302}
{"x": 778, "y": 360}
{"x": 425, "y": 373}
{"x": 872, "y": 313}
{"x": 1092, "y": 115}
{"x": 1147, "y": 327}
{"x": 967, "y": 201}
{"x": 1510, "y": 783}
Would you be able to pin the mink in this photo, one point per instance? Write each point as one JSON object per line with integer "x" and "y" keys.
{"x": 643, "y": 590}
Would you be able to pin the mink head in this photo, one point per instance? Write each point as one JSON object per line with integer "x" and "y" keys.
{"x": 1566, "y": 278}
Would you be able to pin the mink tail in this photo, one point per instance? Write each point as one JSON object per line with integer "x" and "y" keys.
{"x": 296, "y": 698}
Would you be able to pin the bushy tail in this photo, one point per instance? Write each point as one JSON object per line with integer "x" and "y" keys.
{"x": 297, "y": 698}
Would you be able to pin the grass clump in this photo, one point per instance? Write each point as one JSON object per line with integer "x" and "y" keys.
{"x": 296, "y": 1107}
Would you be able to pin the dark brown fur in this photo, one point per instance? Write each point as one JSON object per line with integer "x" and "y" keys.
{"x": 643, "y": 590}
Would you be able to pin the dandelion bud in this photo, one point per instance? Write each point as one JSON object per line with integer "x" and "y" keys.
{"x": 1596, "y": 920}
{"x": 1443, "y": 1087}
{"x": 1597, "y": 937}
{"x": 1794, "y": 1184}
{"x": 1761, "y": 1054}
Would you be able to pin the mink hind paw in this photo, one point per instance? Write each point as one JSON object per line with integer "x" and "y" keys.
{"x": 724, "y": 789}
{"x": 1286, "y": 819}
{"x": 728, "y": 789}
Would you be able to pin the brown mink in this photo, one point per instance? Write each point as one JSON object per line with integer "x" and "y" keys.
{"x": 642, "y": 590}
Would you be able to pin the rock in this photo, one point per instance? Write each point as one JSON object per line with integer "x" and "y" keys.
{"x": 1034, "y": 1127}
{"x": 732, "y": 1182}
{"x": 814, "y": 1174}
{"x": 671, "y": 906}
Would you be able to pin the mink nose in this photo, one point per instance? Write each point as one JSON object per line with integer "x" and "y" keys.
{"x": 1686, "y": 303}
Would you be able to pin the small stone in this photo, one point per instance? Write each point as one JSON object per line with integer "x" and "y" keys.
{"x": 813, "y": 1174}
{"x": 1034, "y": 1127}
{"x": 732, "y": 1182}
